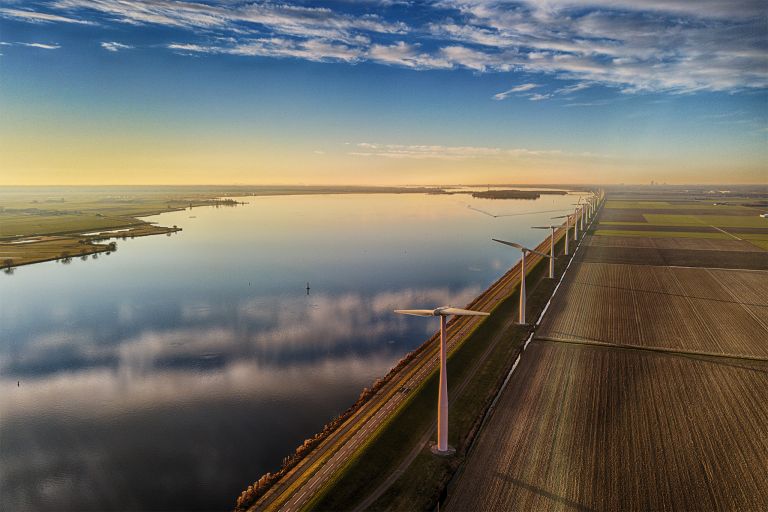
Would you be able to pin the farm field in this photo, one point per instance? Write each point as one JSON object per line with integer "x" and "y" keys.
{"x": 676, "y": 205}
{"x": 716, "y": 235}
{"x": 639, "y": 227}
{"x": 597, "y": 428}
{"x": 686, "y": 243}
{"x": 762, "y": 243}
{"x": 702, "y": 219}
{"x": 721, "y": 221}
{"x": 694, "y": 309}
{"x": 676, "y": 257}
{"x": 708, "y": 227}
{"x": 643, "y": 387}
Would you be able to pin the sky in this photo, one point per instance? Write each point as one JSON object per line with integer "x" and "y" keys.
{"x": 384, "y": 92}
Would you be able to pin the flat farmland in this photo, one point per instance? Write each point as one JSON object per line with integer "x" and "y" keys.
{"x": 698, "y": 257}
{"x": 693, "y": 309}
{"x": 673, "y": 243}
{"x": 722, "y": 221}
{"x": 638, "y": 227}
{"x": 681, "y": 208}
{"x": 598, "y": 428}
{"x": 622, "y": 216}
{"x": 685, "y": 219}
{"x": 644, "y": 387}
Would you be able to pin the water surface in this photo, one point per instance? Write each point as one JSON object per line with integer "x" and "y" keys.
{"x": 175, "y": 371}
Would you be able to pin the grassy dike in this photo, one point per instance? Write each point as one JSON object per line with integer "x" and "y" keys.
{"x": 421, "y": 485}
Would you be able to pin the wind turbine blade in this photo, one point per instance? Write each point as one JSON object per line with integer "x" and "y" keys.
{"x": 461, "y": 312}
{"x": 540, "y": 227}
{"x": 416, "y": 312}
{"x": 481, "y": 211}
{"x": 512, "y": 244}
{"x": 540, "y": 253}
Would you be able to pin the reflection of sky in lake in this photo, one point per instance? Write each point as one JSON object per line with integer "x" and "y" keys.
{"x": 174, "y": 372}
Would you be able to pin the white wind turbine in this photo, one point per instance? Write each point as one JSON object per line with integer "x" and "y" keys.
{"x": 442, "y": 398}
{"x": 567, "y": 229}
{"x": 523, "y": 250}
{"x": 591, "y": 204}
{"x": 576, "y": 221}
{"x": 551, "y": 248}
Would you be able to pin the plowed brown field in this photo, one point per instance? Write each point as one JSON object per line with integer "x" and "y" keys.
{"x": 597, "y": 428}
{"x": 689, "y": 229}
{"x": 693, "y": 309}
{"x": 676, "y": 257}
{"x": 644, "y": 389}
{"x": 696, "y": 244}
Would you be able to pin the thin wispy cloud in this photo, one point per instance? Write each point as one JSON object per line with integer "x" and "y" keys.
{"x": 634, "y": 46}
{"x": 113, "y": 46}
{"x": 313, "y": 50}
{"x": 42, "y": 46}
{"x": 440, "y": 152}
{"x": 39, "y": 17}
{"x": 520, "y": 88}
{"x": 658, "y": 46}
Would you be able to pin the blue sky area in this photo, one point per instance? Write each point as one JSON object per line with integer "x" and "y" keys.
{"x": 384, "y": 91}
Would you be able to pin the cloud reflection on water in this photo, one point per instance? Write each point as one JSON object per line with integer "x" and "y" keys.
{"x": 276, "y": 330}
{"x": 86, "y": 407}
{"x": 115, "y": 439}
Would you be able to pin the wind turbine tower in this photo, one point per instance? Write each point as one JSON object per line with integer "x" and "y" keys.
{"x": 524, "y": 250}
{"x": 567, "y": 229}
{"x": 552, "y": 248}
{"x": 442, "y": 447}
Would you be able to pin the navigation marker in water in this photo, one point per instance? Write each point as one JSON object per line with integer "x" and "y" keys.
{"x": 524, "y": 250}
{"x": 442, "y": 447}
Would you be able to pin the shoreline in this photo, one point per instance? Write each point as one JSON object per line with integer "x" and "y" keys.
{"x": 80, "y": 239}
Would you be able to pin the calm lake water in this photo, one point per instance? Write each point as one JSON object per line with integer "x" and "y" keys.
{"x": 175, "y": 371}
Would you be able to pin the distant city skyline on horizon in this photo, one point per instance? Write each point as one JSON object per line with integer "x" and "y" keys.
{"x": 105, "y": 92}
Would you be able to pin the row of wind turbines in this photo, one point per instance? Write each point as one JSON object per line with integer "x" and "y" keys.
{"x": 582, "y": 214}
